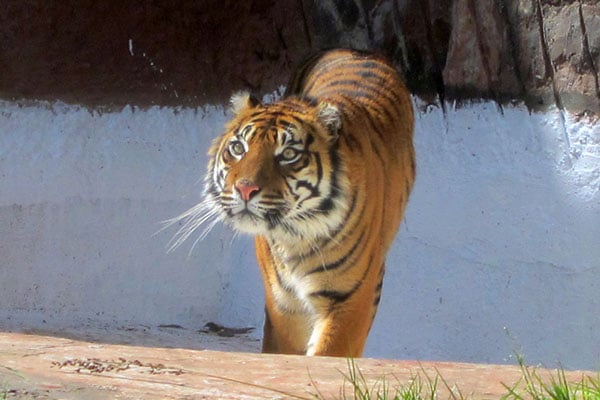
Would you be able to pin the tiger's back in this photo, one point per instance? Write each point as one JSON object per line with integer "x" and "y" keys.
{"x": 321, "y": 178}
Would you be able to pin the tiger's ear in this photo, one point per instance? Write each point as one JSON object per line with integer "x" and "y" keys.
{"x": 331, "y": 118}
{"x": 242, "y": 100}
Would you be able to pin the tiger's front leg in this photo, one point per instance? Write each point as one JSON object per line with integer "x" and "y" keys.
{"x": 342, "y": 332}
{"x": 338, "y": 333}
{"x": 285, "y": 333}
{"x": 329, "y": 328}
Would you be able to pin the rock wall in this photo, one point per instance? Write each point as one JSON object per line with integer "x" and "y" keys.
{"x": 189, "y": 53}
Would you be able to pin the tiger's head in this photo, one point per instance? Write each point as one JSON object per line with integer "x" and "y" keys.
{"x": 276, "y": 170}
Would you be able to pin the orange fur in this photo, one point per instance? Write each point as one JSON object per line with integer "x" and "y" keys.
{"x": 331, "y": 166}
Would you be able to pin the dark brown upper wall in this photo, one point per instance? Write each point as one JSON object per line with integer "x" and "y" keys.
{"x": 189, "y": 53}
{"x": 182, "y": 53}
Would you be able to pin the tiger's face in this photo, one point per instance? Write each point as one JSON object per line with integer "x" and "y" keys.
{"x": 276, "y": 171}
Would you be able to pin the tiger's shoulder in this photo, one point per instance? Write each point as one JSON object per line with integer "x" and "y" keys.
{"x": 368, "y": 91}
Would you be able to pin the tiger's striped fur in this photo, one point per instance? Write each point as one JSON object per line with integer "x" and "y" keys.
{"x": 321, "y": 177}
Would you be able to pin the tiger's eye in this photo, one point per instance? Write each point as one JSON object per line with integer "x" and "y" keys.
{"x": 289, "y": 154}
{"x": 237, "y": 148}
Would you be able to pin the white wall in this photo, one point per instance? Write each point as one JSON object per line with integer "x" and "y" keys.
{"x": 502, "y": 232}
{"x": 81, "y": 196}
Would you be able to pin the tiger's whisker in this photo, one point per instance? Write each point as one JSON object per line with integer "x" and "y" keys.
{"x": 192, "y": 219}
{"x": 203, "y": 235}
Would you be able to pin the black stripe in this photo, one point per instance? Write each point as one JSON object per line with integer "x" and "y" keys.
{"x": 351, "y": 141}
{"x": 350, "y": 94}
{"x": 273, "y": 133}
{"x": 291, "y": 189}
{"x": 291, "y": 142}
{"x": 333, "y": 295}
{"x": 274, "y": 114}
{"x": 374, "y": 123}
{"x": 285, "y": 124}
{"x": 314, "y": 191}
{"x": 366, "y": 71}
{"x": 273, "y": 219}
{"x": 297, "y": 119}
{"x": 325, "y": 206}
{"x": 275, "y": 201}
{"x": 336, "y": 163}
{"x": 259, "y": 120}
{"x": 374, "y": 146}
{"x": 212, "y": 189}
{"x": 277, "y": 275}
{"x": 379, "y": 285}
{"x": 333, "y": 235}
{"x": 378, "y": 89}
{"x": 256, "y": 113}
{"x": 377, "y": 300}
{"x": 347, "y": 217}
{"x": 372, "y": 65}
{"x": 374, "y": 106}
{"x": 296, "y": 166}
{"x": 338, "y": 296}
{"x": 340, "y": 261}
{"x": 369, "y": 74}
{"x": 310, "y": 138}
{"x": 344, "y": 82}
{"x": 317, "y": 158}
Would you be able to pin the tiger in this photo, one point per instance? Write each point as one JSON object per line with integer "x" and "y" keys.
{"x": 321, "y": 177}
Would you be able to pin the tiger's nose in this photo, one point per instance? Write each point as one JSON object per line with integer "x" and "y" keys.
{"x": 246, "y": 189}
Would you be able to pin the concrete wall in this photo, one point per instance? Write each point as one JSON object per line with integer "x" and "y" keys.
{"x": 501, "y": 234}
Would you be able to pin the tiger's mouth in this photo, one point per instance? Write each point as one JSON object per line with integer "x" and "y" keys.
{"x": 252, "y": 218}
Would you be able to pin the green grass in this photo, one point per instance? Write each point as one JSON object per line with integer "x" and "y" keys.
{"x": 421, "y": 386}
{"x": 6, "y": 391}
{"x": 3, "y": 391}
{"x": 532, "y": 386}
